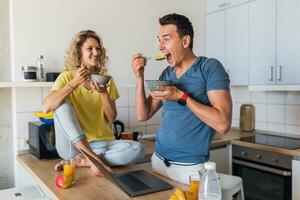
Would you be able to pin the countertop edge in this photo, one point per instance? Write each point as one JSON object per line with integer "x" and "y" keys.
{"x": 232, "y": 138}
{"x": 37, "y": 178}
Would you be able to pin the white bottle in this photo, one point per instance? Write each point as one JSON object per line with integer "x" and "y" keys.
{"x": 210, "y": 186}
{"x": 41, "y": 68}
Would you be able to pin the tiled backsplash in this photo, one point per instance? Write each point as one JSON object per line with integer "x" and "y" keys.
{"x": 127, "y": 113}
{"x": 275, "y": 111}
{"x": 25, "y": 108}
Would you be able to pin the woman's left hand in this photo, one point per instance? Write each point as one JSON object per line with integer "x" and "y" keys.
{"x": 167, "y": 93}
{"x": 98, "y": 87}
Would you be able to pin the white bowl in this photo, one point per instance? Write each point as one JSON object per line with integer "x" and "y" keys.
{"x": 153, "y": 85}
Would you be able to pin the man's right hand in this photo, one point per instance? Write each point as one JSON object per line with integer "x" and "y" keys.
{"x": 138, "y": 64}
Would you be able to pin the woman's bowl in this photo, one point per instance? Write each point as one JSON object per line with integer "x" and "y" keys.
{"x": 153, "y": 85}
{"x": 100, "y": 79}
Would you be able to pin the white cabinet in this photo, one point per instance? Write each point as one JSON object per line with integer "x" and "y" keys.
{"x": 226, "y": 36}
{"x": 215, "y": 5}
{"x": 237, "y": 44}
{"x": 257, "y": 41}
{"x": 262, "y": 27}
{"x": 296, "y": 178}
{"x": 274, "y": 42}
{"x": 221, "y": 156}
{"x": 288, "y": 41}
{"x": 215, "y": 36}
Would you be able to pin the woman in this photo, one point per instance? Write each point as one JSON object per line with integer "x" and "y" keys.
{"x": 85, "y": 110}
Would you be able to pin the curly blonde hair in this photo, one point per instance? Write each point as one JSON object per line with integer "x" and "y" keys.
{"x": 73, "y": 54}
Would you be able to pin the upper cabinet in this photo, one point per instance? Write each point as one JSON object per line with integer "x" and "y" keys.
{"x": 226, "y": 36}
{"x": 258, "y": 41}
{"x": 262, "y": 42}
{"x": 274, "y": 42}
{"x": 288, "y": 42}
{"x": 215, "y": 5}
{"x": 237, "y": 44}
{"x": 215, "y": 36}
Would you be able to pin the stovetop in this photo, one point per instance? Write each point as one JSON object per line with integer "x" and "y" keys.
{"x": 273, "y": 140}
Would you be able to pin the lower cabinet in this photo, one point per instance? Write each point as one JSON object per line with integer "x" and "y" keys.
{"x": 296, "y": 178}
{"x": 221, "y": 155}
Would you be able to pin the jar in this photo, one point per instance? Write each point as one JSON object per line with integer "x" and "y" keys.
{"x": 29, "y": 73}
{"x": 247, "y": 117}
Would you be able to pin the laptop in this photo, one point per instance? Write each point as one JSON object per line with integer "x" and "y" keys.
{"x": 133, "y": 183}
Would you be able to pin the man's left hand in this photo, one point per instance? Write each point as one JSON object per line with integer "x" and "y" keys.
{"x": 167, "y": 93}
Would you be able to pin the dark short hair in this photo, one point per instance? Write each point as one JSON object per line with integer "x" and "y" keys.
{"x": 183, "y": 24}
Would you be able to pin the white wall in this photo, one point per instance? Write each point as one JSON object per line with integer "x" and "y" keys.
{"x": 4, "y": 41}
{"x": 125, "y": 26}
{"x": 6, "y": 139}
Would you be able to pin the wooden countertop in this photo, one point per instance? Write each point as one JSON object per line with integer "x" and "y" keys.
{"x": 231, "y": 137}
{"x": 90, "y": 187}
{"x": 87, "y": 186}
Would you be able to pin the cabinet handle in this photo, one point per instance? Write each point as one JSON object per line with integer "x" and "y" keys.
{"x": 222, "y": 5}
{"x": 279, "y": 69}
{"x": 271, "y": 70}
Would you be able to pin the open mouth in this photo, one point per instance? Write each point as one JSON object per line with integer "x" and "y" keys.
{"x": 168, "y": 56}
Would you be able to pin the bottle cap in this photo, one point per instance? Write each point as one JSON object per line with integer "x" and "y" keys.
{"x": 41, "y": 56}
{"x": 210, "y": 165}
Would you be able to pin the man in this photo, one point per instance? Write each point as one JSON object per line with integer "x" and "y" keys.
{"x": 196, "y": 105}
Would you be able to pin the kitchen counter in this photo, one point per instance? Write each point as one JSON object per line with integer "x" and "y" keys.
{"x": 87, "y": 185}
{"x": 236, "y": 134}
{"x": 232, "y": 138}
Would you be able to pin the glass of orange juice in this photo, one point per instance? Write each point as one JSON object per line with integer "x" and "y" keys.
{"x": 194, "y": 185}
{"x": 69, "y": 168}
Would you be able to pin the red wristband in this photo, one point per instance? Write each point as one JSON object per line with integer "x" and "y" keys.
{"x": 185, "y": 96}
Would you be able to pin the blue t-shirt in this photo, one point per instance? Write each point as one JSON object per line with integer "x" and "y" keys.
{"x": 182, "y": 136}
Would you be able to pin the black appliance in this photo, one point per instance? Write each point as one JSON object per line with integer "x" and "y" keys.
{"x": 266, "y": 175}
{"x": 52, "y": 76}
{"x": 273, "y": 140}
{"x": 42, "y": 140}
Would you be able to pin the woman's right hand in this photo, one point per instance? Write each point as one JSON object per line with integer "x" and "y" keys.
{"x": 96, "y": 171}
{"x": 81, "y": 75}
{"x": 138, "y": 64}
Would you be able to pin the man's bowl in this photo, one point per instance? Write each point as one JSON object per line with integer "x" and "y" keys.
{"x": 153, "y": 85}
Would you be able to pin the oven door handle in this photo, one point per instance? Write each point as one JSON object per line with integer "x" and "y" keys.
{"x": 263, "y": 168}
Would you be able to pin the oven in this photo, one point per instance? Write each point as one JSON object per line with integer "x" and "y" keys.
{"x": 266, "y": 175}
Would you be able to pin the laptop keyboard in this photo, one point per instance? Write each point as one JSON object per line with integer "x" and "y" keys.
{"x": 133, "y": 183}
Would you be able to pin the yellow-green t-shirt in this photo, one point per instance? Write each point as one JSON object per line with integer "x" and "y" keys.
{"x": 88, "y": 108}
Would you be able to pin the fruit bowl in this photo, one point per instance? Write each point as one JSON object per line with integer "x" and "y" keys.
{"x": 153, "y": 85}
{"x": 100, "y": 79}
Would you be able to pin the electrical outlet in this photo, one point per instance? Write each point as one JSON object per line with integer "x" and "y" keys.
{"x": 23, "y": 143}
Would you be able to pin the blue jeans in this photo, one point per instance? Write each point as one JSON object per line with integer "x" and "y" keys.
{"x": 68, "y": 132}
